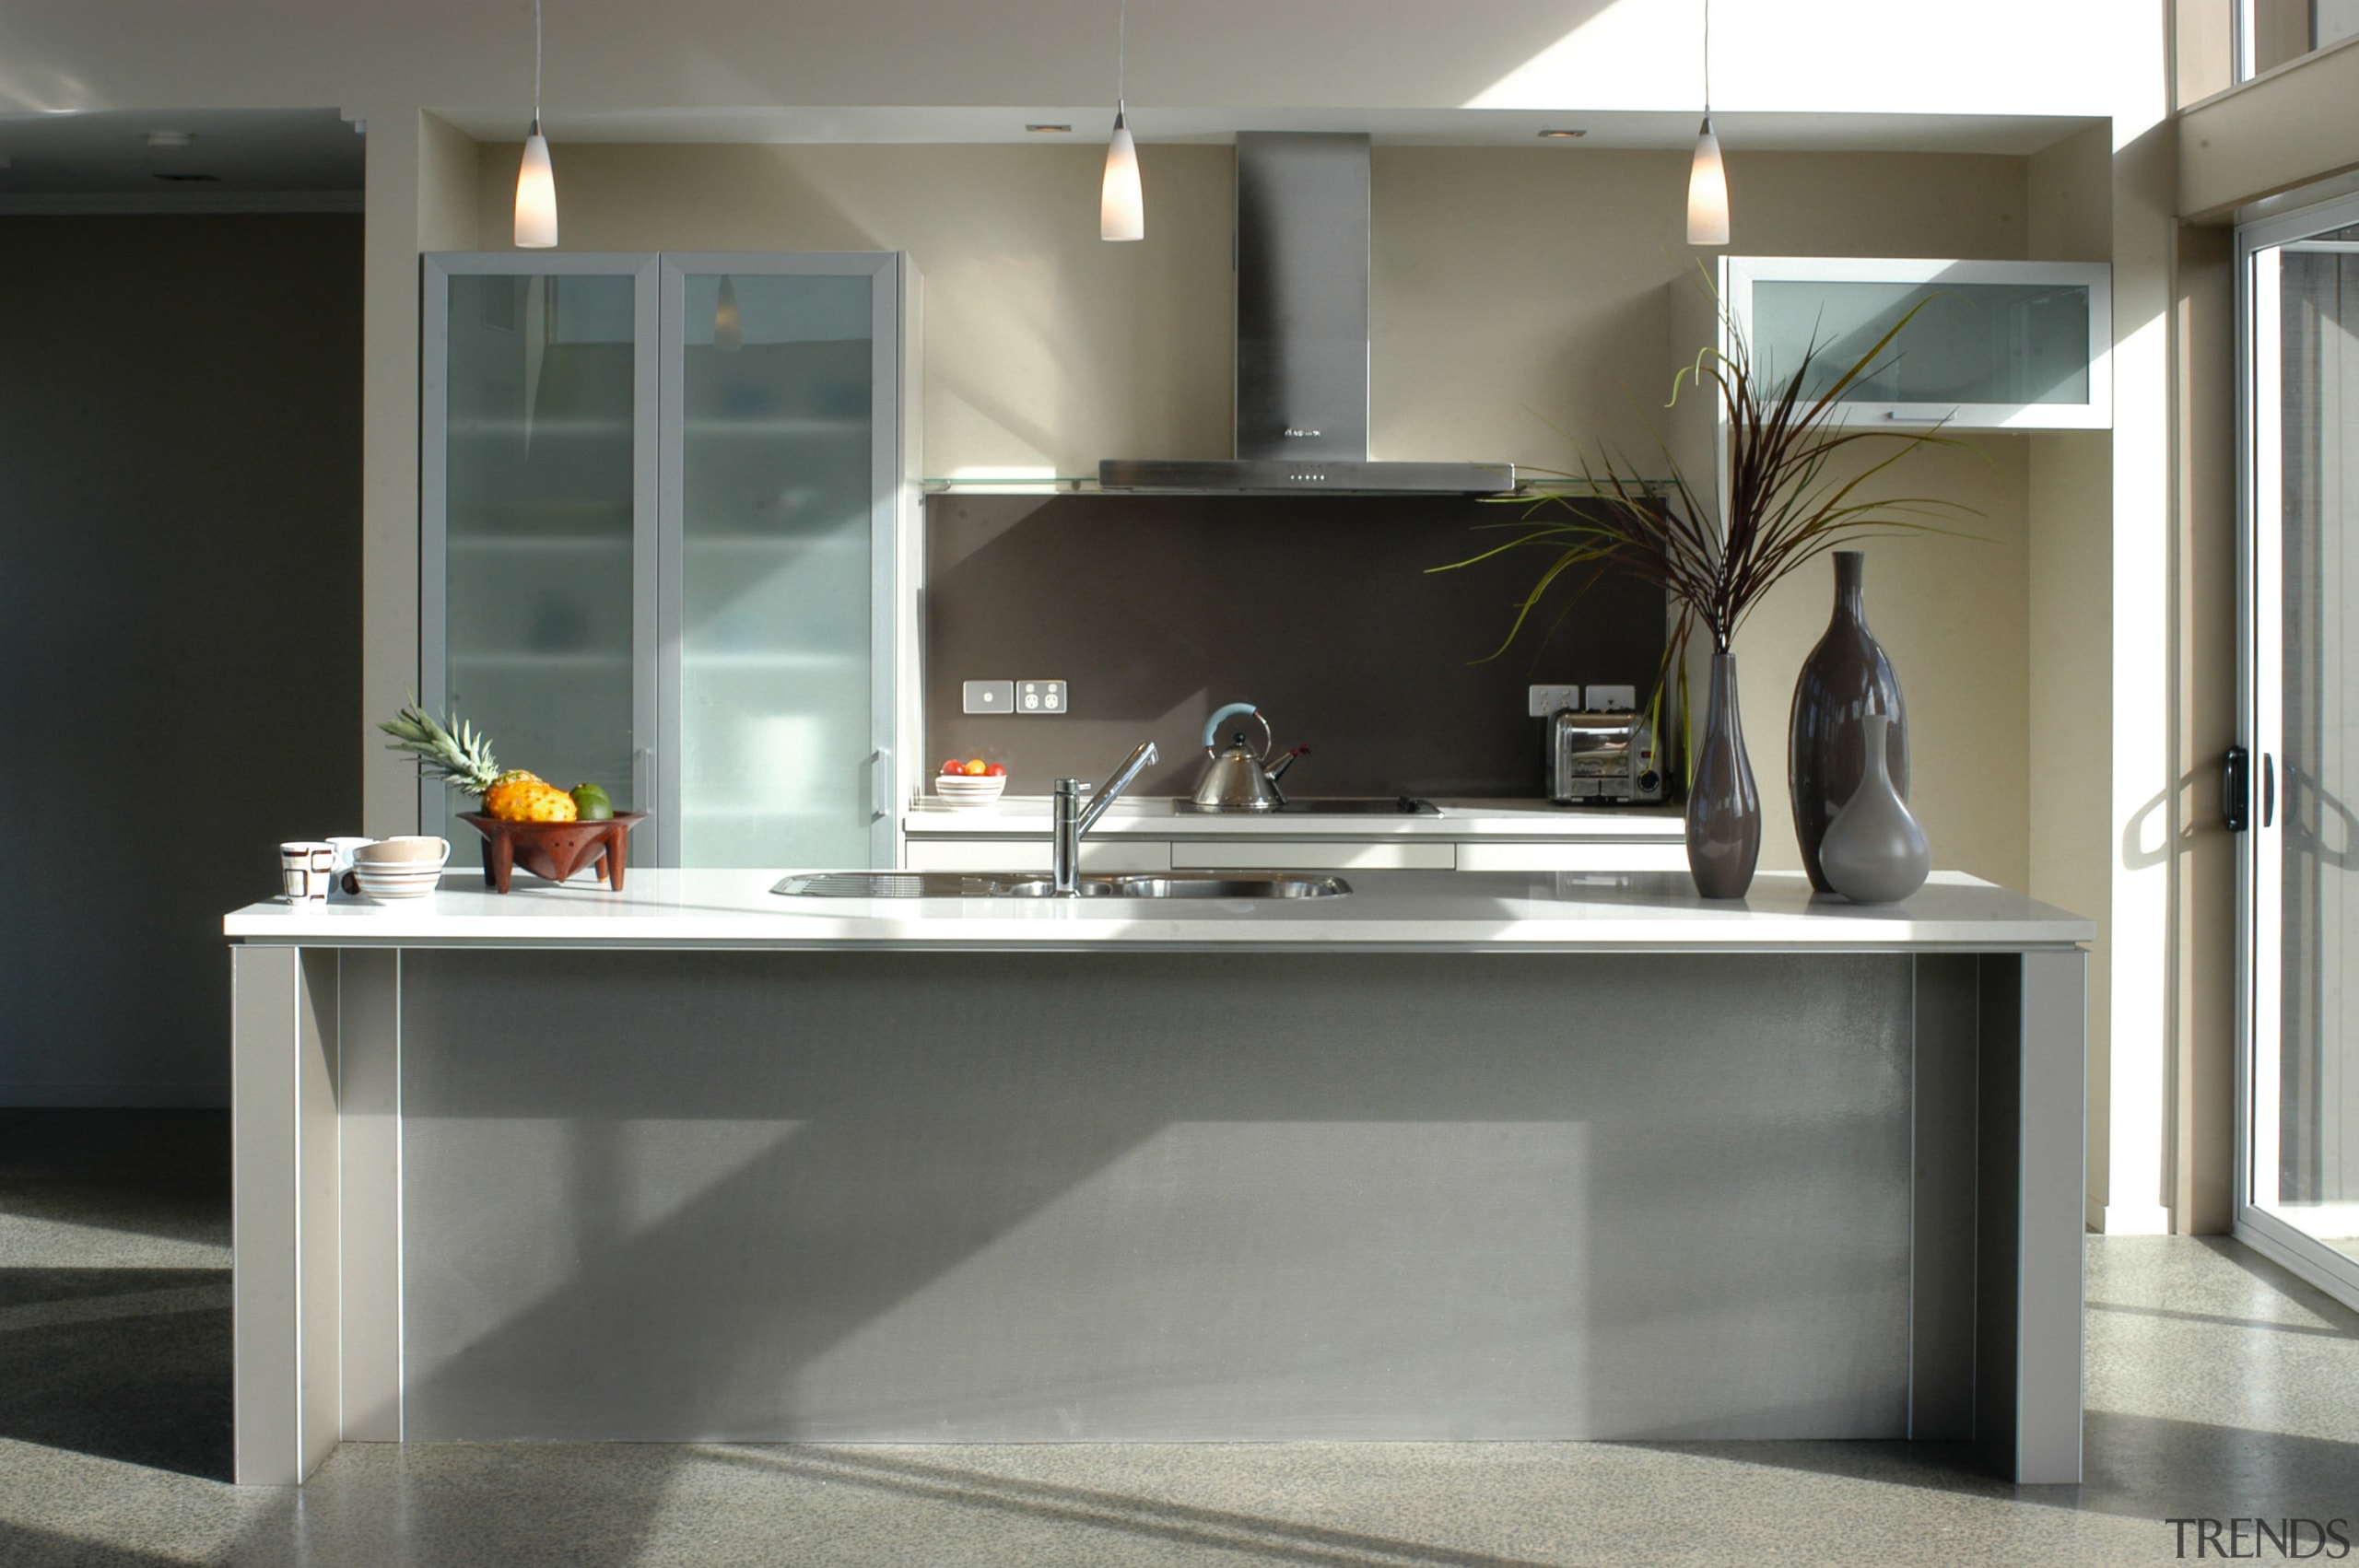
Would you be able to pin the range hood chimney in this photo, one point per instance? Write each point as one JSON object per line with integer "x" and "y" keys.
{"x": 1302, "y": 256}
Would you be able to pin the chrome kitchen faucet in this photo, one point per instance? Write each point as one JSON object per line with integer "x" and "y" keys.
{"x": 1068, "y": 821}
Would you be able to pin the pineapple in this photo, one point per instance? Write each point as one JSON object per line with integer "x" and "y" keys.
{"x": 529, "y": 800}
{"x": 465, "y": 759}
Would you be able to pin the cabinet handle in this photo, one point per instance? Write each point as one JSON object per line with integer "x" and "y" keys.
{"x": 880, "y": 784}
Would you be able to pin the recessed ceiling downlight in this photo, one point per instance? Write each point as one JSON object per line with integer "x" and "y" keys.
{"x": 169, "y": 138}
{"x": 1050, "y": 129}
{"x": 1562, "y": 135}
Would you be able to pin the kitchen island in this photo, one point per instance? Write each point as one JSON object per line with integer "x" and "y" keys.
{"x": 1459, "y": 1156}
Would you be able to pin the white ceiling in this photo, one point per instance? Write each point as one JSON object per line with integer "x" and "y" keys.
{"x": 2010, "y": 135}
{"x": 293, "y": 160}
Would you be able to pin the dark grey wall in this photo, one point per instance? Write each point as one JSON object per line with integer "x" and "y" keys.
{"x": 179, "y": 598}
{"x": 1161, "y": 609}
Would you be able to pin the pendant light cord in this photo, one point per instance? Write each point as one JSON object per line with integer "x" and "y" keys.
{"x": 1121, "y": 47}
{"x": 536, "y": 65}
{"x": 1708, "y": 57}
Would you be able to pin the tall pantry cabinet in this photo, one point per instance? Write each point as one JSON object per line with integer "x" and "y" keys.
{"x": 666, "y": 518}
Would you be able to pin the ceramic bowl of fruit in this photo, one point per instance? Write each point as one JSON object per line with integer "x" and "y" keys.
{"x": 525, "y": 821}
{"x": 971, "y": 783}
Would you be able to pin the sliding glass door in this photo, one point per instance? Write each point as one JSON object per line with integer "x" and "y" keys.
{"x": 2300, "y": 1176}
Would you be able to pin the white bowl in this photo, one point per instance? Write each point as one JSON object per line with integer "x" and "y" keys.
{"x": 410, "y": 849}
{"x": 383, "y": 882}
{"x": 969, "y": 788}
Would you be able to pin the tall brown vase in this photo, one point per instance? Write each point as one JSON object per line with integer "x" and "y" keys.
{"x": 1846, "y": 677}
{"x": 1723, "y": 804}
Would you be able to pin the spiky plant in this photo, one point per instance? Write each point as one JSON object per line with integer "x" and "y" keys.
{"x": 1787, "y": 504}
{"x": 463, "y": 759}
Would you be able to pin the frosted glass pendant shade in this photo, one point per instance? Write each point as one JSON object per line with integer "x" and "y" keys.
{"x": 535, "y": 195}
{"x": 1122, "y": 205}
{"x": 1708, "y": 192}
{"x": 728, "y": 334}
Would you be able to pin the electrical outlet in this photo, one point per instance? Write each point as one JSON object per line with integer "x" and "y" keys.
{"x": 1612, "y": 699}
{"x": 991, "y": 697}
{"x": 1040, "y": 696}
{"x": 1547, "y": 701}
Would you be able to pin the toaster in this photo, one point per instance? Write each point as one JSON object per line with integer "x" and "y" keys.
{"x": 1602, "y": 758}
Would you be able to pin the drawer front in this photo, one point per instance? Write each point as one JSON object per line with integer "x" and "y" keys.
{"x": 1032, "y": 855}
{"x": 1321, "y": 854}
{"x": 1655, "y": 856}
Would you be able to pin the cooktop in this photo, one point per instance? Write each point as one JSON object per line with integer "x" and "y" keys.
{"x": 1305, "y": 806}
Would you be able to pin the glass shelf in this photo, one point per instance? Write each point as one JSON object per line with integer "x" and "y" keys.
{"x": 542, "y": 544}
{"x": 462, "y": 659}
{"x": 795, "y": 659}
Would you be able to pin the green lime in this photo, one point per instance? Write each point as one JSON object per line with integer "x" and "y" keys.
{"x": 592, "y": 803}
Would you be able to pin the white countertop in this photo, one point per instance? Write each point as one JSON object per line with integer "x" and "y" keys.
{"x": 1020, "y": 816}
{"x": 1445, "y": 911}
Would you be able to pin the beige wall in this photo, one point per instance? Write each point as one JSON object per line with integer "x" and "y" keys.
{"x": 2204, "y": 853}
{"x": 2269, "y": 135}
{"x": 1044, "y": 346}
{"x": 1521, "y": 297}
{"x": 2070, "y": 620}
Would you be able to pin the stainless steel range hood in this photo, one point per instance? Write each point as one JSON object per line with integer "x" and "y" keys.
{"x": 1302, "y": 249}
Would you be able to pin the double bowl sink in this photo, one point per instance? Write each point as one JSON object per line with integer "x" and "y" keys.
{"x": 1031, "y": 884}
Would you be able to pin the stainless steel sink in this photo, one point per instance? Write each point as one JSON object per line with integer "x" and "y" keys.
{"x": 1179, "y": 884}
{"x": 1023, "y": 884}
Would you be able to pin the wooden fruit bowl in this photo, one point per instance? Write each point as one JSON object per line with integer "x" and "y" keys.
{"x": 553, "y": 851}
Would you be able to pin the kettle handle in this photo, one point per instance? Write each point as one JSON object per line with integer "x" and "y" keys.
{"x": 1211, "y": 725}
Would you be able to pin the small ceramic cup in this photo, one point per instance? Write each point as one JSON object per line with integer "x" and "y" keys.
{"x": 306, "y": 867}
{"x": 345, "y": 846}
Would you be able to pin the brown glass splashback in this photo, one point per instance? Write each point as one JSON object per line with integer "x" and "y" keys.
{"x": 1159, "y": 609}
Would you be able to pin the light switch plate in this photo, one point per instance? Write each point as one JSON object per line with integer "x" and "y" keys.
{"x": 1547, "y": 701}
{"x": 1040, "y": 697}
{"x": 991, "y": 697}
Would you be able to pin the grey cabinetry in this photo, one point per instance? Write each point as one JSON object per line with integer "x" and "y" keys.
{"x": 663, "y": 513}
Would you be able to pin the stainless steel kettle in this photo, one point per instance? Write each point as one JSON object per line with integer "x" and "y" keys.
{"x": 1239, "y": 780}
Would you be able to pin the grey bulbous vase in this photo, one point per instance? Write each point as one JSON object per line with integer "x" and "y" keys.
{"x": 1846, "y": 678}
{"x": 1874, "y": 852}
{"x": 1723, "y": 804}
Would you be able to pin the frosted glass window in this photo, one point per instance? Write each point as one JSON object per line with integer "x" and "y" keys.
{"x": 1972, "y": 342}
{"x": 777, "y": 488}
{"x": 539, "y": 524}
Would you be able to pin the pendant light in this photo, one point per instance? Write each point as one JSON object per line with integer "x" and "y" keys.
{"x": 1708, "y": 178}
{"x": 728, "y": 330}
{"x": 1122, "y": 205}
{"x": 536, "y": 184}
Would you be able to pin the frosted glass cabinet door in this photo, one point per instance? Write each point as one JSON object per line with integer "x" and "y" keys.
{"x": 2005, "y": 345}
{"x": 537, "y": 518}
{"x": 779, "y": 489}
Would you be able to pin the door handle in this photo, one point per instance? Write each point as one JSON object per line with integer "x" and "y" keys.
{"x": 2236, "y": 790}
{"x": 880, "y": 784}
{"x": 2267, "y": 789}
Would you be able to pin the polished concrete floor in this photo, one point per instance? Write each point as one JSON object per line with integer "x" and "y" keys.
{"x": 2218, "y": 1387}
